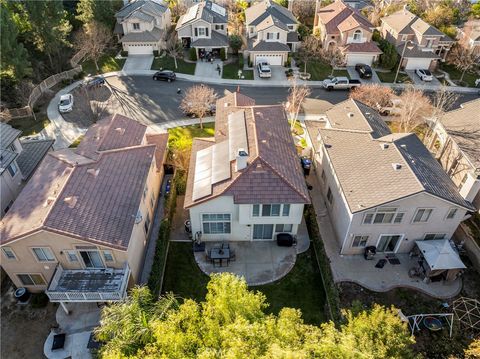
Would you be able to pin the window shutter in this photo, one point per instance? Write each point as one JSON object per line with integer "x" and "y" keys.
{"x": 278, "y": 35}
{"x": 206, "y": 31}
{"x": 196, "y": 32}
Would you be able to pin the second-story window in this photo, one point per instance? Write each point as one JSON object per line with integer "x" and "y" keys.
{"x": 357, "y": 35}
{"x": 451, "y": 213}
{"x": 12, "y": 169}
{"x": 219, "y": 27}
{"x": 136, "y": 26}
{"x": 270, "y": 210}
{"x": 43, "y": 254}
{"x": 383, "y": 216}
{"x": 422, "y": 215}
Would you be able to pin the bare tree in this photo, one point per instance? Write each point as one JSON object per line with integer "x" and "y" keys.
{"x": 94, "y": 39}
{"x": 173, "y": 47}
{"x": 415, "y": 106}
{"x": 375, "y": 96}
{"x": 199, "y": 101}
{"x": 177, "y": 8}
{"x": 297, "y": 94}
{"x": 310, "y": 49}
{"x": 464, "y": 59}
{"x": 333, "y": 56}
{"x": 304, "y": 11}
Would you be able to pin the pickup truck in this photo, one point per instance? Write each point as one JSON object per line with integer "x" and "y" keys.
{"x": 340, "y": 83}
{"x": 264, "y": 69}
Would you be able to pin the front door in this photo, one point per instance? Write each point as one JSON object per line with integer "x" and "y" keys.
{"x": 388, "y": 243}
{"x": 91, "y": 259}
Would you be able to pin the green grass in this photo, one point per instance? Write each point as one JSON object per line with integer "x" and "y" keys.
{"x": 28, "y": 125}
{"x": 181, "y": 137}
{"x": 297, "y": 129}
{"x": 168, "y": 63}
{"x": 77, "y": 141}
{"x": 320, "y": 70}
{"x": 230, "y": 71}
{"x": 107, "y": 63}
{"x": 390, "y": 76}
{"x": 455, "y": 74}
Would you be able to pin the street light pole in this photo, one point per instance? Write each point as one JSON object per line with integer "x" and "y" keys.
{"x": 401, "y": 59}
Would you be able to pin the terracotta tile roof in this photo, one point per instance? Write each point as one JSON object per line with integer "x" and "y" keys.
{"x": 338, "y": 17}
{"x": 161, "y": 141}
{"x": 405, "y": 22}
{"x": 273, "y": 173}
{"x": 94, "y": 198}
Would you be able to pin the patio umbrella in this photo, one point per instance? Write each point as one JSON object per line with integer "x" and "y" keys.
{"x": 440, "y": 255}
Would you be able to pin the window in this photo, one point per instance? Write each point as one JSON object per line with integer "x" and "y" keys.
{"x": 201, "y": 31}
{"x": 8, "y": 253}
{"x": 43, "y": 254}
{"x": 291, "y": 27}
{"x": 152, "y": 200}
{"x": 71, "y": 256}
{"x": 451, "y": 214}
{"x": 108, "y": 256}
{"x": 145, "y": 190}
{"x": 357, "y": 35}
{"x": 430, "y": 236}
{"x": 359, "y": 241}
{"x": 464, "y": 179}
{"x": 383, "y": 216}
{"x": 283, "y": 228}
{"x": 404, "y": 37}
{"x": 422, "y": 215}
{"x": 270, "y": 210}
{"x": 31, "y": 279}
{"x": 9, "y": 205}
{"x": 252, "y": 29}
{"x": 146, "y": 225}
{"x": 136, "y": 26}
{"x": 256, "y": 210}
{"x": 273, "y": 35}
{"x": 286, "y": 210}
{"x": 262, "y": 231}
{"x": 329, "y": 196}
{"x": 216, "y": 223}
{"x": 429, "y": 43}
{"x": 219, "y": 27}
{"x": 323, "y": 175}
{"x": 12, "y": 169}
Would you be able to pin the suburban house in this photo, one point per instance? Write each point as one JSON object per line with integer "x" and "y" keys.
{"x": 456, "y": 143}
{"x": 469, "y": 35}
{"x": 246, "y": 183}
{"x": 421, "y": 44}
{"x": 18, "y": 161}
{"x": 271, "y": 33}
{"x": 142, "y": 25}
{"x": 204, "y": 27}
{"x": 344, "y": 27}
{"x": 79, "y": 228}
{"x": 381, "y": 189}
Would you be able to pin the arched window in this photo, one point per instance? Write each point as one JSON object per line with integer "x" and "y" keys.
{"x": 357, "y": 35}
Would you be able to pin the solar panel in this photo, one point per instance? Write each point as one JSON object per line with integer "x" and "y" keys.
{"x": 191, "y": 14}
{"x": 202, "y": 180}
{"x": 220, "y": 162}
{"x": 237, "y": 133}
{"x": 218, "y": 9}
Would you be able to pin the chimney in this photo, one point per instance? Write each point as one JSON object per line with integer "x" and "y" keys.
{"x": 241, "y": 159}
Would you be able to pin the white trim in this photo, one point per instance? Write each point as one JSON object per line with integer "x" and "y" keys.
{"x": 30, "y": 274}
{"x": 43, "y": 247}
{"x": 416, "y": 212}
{"x": 12, "y": 251}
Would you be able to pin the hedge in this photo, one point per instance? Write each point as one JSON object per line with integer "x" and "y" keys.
{"x": 193, "y": 54}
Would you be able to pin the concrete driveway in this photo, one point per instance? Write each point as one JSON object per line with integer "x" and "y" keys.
{"x": 355, "y": 75}
{"x": 278, "y": 74}
{"x": 138, "y": 62}
{"x": 418, "y": 81}
{"x": 209, "y": 69}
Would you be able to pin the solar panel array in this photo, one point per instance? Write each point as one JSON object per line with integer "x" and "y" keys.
{"x": 202, "y": 180}
{"x": 191, "y": 14}
{"x": 218, "y": 9}
{"x": 237, "y": 133}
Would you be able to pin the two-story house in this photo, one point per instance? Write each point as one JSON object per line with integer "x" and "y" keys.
{"x": 381, "y": 189}
{"x": 456, "y": 144}
{"x": 18, "y": 160}
{"x": 204, "y": 27}
{"x": 271, "y": 33}
{"x": 344, "y": 27}
{"x": 421, "y": 44}
{"x": 469, "y": 35}
{"x": 142, "y": 25}
{"x": 246, "y": 184}
{"x": 79, "y": 228}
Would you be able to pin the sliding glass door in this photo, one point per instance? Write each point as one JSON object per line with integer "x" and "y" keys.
{"x": 388, "y": 242}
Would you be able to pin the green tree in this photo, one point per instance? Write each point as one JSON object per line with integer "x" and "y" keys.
{"x": 476, "y": 10}
{"x": 232, "y": 323}
{"x": 304, "y": 31}
{"x": 102, "y": 11}
{"x": 235, "y": 43}
{"x": 389, "y": 57}
{"x": 14, "y": 57}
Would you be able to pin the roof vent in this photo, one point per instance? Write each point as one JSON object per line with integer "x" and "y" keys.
{"x": 403, "y": 146}
{"x": 49, "y": 201}
{"x": 120, "y": 130}
{"x": 71, "y": 201}
{"x": 384, "y": 146}
{"x": 241, "y": 159}
{"x": 350, "y": 114}
{"x": 396, "y": 166}
{"x": 94, "y": 172}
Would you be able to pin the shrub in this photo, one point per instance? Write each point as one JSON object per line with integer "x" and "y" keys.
{"x": 235, "y": 43}
{"x": 288, "y": 63}
{"x": 223, "y": 54}
{"x": 155, "y": 53}
{"x": 303, "y": 31}
{"x": 376, "y": 36}
{"x": 80, "y": 75}
{"x": 389, "y": 58}
{"x": 250, "y": 63}
{"x": 124, "y": 53}
{"x": 39, "y": 300}
{"x": 193, "y": 54}
{"x": 240, "y": 61}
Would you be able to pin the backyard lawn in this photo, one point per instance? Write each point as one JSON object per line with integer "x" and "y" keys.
{"x": 29, "y": 126}
{"x": 230, "y": 71}
{"x": 390, "y": 76}
{"x": 320, "y": 70}
{"x": 455, "y": 74}
{"x": 168, "y": 63}
{"x": 301, "y": 288}
{"x": 181, "y": 137}
{"x": 107, "y": 63}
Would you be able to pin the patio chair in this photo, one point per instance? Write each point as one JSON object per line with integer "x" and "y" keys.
{"x": 225, "y": 245}
{"x": 208, "y": 257}
{"x": 232, "y": 255}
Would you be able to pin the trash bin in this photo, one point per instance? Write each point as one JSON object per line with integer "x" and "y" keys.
{"x": 370, "y": 252}
{"x": 306, "y": 165}
{"x": 22, "y": 295}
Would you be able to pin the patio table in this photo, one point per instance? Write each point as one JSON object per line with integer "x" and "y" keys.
{"x": 219, "y": 254}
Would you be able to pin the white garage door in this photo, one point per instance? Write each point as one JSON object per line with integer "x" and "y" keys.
{"x": 274, "y": 60}
{"x": 140, "y": 49}
{"x": 353, "y": 59}
{"x": 413, "y": 64}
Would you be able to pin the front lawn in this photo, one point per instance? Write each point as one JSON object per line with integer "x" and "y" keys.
{"x": 390, "y": 76}
{"x": 320, "y": 70}
{"x": 168, "y": 63}
{"x": 28, "y": 125}
{"x": 455, "y": 74}
{"x": 301, "y": 288}
{"x": 230, "y": 71}
{"x": 107, "y": 63}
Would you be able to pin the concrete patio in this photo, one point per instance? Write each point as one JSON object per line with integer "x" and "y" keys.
{"x": 259, "y": 262}
{"x": 363, "y": 272}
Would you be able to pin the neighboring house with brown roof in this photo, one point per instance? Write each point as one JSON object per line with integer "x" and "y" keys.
{"x": 246, "y": 183}
{"x": 422, "y": 44}
{"x": 456, "y": 144}
{"x": 469, "y": 35}
{"x": 382, "y": 189}
{"x": 343, "y": 26}
{"x": 79, "y": 228}
{"x": 271, "y": 33}
{"x": 142, "y": 25}
{"x": 18, "y": 161}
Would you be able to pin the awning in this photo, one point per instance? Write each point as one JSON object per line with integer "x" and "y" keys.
{"x": 440, "y": 255}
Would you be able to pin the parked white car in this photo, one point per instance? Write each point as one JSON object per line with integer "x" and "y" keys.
{"x": 264, "y": 69}
{"x": 424, "y": 74}
{"x": 66, "y": 103}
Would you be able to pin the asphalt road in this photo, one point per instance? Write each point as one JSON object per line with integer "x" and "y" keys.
{"x": 151, "y": 101}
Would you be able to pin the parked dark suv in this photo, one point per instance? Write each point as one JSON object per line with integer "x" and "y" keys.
{"x": 165, "y": 75}
{"x": 364, "y": 71}
{"x": 96, "y": 81}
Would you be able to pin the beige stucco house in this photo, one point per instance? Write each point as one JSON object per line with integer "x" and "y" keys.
{"x": 381, "y": 189}
{"x": 246, "y": 183}
{"x": 344, "y": 27}
{"x": 422, "y": 44}
{"x": 79, "y": 228}
{"x": 469, "y": 35}
{"x": 18, "y": 161}
{"x": 456, "y": 144}
{"x": 142, "y": 25}
{"x": 271, "y": 33}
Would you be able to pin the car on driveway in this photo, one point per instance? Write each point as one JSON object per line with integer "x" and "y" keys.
{"x": 364, "y": 71}
{"x": 424, "y": 74}
{"x": 264, "y": 70}
{"x": 66, "y": 103}
{"x": 165, "y": 75}
{"x": 96, "y": 81}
